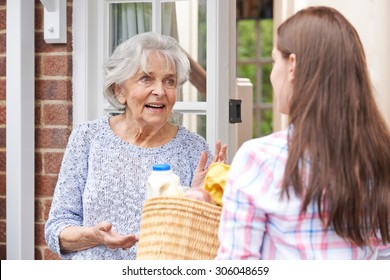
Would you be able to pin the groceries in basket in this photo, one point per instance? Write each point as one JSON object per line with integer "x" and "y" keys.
{"x": 181, "y": 225}
{"x": 214, "y": 184}
{"x": 163, "y": 182}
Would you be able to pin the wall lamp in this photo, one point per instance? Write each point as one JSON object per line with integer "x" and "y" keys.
{"x": 54, "y": 18}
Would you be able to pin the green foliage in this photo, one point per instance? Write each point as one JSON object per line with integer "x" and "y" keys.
{"x": 250, "y": 33}
{"x": 266, "y": 124}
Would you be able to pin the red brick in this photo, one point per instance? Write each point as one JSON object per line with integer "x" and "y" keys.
{"x": 2, "y": 114}
{"x": 44, "y": 185}
{"x": 39, "y": 210}
{"x": 3, "y": 43}
{"x": 52, "y": 162}
{"x": 42, "y": 209}
{"x": 3, "y": 227}
{"x": 3, "y": 64}
{"x": 69, "y": 14}
{"x": 50, "y": 255}
{"x": 2, "y": 89}
{"x": 57, "y": 65}
{"x": 38, "y": 114}
{"x": 3, "y": 252}
{"x": 51, "y": 137}
{"x": 38, "y": 18}
{"x": 57, "y": 114}
{"x": 2, "y": 161}
{"x": 42, "y": 47}
{"x": 2, "y": 184}
{"x": 3, "y": 19}
{"x": 38, "y": 163}
{"x": 3, "y": 203}
{"x": 47, "y": 205}
{"x": 38, "y": 66}
{"x": 38, "y": 253}
{"x": 40, "y": 234}
{"x": 53, "y": 90}
{"x": 69, "y": 41}
{"x": 3, "y": 137}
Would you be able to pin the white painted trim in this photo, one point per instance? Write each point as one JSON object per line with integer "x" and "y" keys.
{"x": 244, "y": 131}
{"x": 221, "y": 76}
{"x": 156, "y": 16}
{"x": 191, "y": 107}
{"x": 20, "y": 130}
{"x": 80, "y": 65}
{"x": 85, "y": 61}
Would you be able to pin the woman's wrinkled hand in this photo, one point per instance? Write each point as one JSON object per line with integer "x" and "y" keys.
{"x": 112, "y": 239}
{"x": 201, "y": 170}
{"x": 200, "y": 194}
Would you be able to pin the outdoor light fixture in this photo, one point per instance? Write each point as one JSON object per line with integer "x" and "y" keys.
{"x": 54, "y": 18}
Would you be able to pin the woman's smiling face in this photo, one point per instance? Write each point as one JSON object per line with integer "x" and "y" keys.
{"x": 150, "y": 95}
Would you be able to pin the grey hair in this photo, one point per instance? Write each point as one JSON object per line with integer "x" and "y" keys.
{"x": 132, "y": 55}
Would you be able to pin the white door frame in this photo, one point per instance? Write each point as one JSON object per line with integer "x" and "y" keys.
{"x": 20, "y": 102}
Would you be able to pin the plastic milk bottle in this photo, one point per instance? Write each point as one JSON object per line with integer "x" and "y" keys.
{"x": 163, "y": 182}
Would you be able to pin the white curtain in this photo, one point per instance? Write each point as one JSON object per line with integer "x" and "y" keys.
{"x": 169, "y": 20}
{"x": 129, "y": 19}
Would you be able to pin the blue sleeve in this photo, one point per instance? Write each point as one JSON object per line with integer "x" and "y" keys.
{"x": 67, "y": 206}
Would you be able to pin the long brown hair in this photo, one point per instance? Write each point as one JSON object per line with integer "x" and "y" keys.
{"x": 337, "y": 125}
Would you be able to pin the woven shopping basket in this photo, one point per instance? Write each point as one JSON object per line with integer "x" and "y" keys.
{"x": 178, "y": 228}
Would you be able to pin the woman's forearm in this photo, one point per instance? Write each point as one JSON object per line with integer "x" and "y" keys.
{"x": 76, "y": 238}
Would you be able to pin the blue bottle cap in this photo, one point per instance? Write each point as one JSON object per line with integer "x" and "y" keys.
{"x": 161, "y": 167}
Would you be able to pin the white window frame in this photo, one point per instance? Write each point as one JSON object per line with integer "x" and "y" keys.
{"x": 88, "y": 50}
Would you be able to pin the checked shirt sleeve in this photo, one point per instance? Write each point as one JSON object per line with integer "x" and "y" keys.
{"x": 243, "y": 223}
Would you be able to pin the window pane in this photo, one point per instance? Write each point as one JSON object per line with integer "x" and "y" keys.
{"x": 266, "y": 37}
{"x": 246, "y": 40}
{"x": 169, "y": 20}
{"x": 186, "y": 21}
{"x": 267, "y": 94}
{"x": 248, "y": 71}
{"x": 254, "y": 48}
{"x": 194, "y": 122}
{"x": 127, "y": 20}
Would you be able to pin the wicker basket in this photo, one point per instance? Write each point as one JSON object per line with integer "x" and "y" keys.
{"x": 178, "y": 228}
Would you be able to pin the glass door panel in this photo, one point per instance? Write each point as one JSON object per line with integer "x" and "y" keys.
{"x": 127, "y": 20}
{"x": 186, "y": 21}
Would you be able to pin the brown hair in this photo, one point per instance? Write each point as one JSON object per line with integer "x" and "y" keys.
{"x": 337, "y": 124}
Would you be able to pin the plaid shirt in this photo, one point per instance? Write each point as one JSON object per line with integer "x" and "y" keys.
{"x": 257, "y": 223}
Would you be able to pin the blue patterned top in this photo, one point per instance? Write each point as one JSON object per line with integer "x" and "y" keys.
{"x": 103, "y": 178}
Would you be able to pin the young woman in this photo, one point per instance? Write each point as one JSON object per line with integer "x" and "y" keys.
{"x": 321, "y": 188}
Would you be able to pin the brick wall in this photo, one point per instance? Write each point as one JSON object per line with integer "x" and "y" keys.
{"x": 53, "y": 121}
{"x": 2, "y": 128}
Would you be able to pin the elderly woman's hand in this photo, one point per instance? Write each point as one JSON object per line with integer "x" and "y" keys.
{"x": 201, "y": 170}
{"x": 112, "y": 239}
{"x": 76, "y": 238}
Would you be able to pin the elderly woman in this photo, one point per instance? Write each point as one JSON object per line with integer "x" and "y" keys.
{"x": 98, "y": 200}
